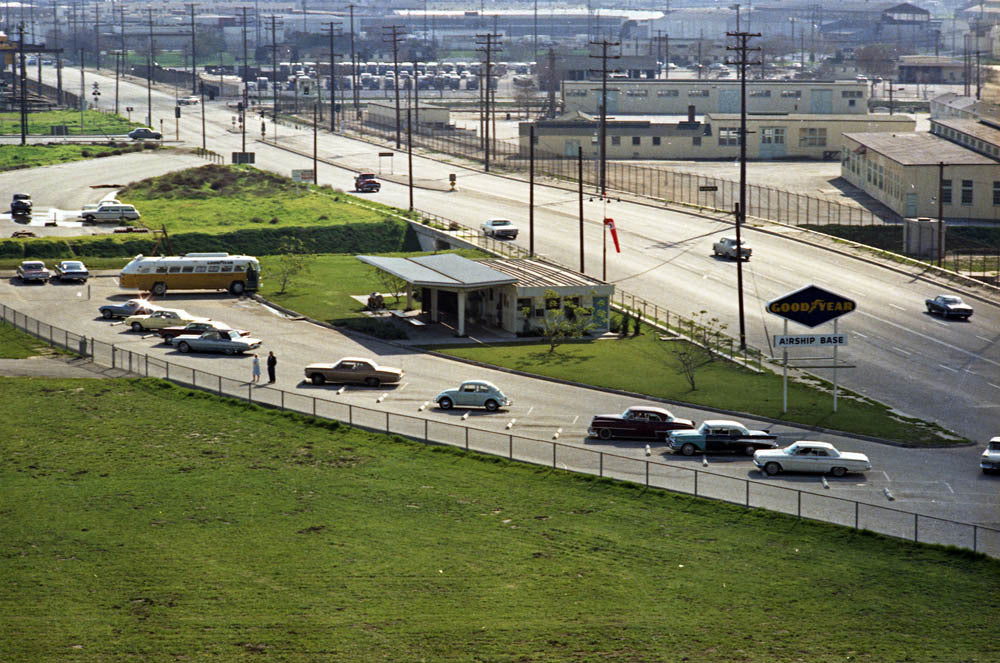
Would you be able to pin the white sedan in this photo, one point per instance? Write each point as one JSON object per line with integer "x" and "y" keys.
{"x": 809, "y": 456}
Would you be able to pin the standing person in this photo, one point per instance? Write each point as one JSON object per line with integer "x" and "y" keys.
{"x": 272, "y": 361}
{"x": 256, "y": 369}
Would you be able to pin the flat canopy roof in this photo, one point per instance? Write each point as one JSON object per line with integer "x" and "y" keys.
{"x": 443, "y": 270}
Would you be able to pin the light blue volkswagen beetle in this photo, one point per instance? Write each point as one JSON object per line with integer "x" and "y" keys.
{"x": 473, "y": 393}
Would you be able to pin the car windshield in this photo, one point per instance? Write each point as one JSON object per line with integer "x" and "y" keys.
{"x": 994, "y": 446}
{"x": 950, "y": 300}
{"x": 34, "y": 265}
{"x": 72, "y": 265}
{"x": 500, "y": 222}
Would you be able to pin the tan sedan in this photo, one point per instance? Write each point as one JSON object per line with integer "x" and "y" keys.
{"x": 353, "y": 370}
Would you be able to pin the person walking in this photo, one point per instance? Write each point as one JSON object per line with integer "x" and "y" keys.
{"x": 272, "y": 362}
{"x": 256, "y": 369}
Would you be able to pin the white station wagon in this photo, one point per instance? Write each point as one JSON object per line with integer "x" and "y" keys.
{"x": 810, "y": 456}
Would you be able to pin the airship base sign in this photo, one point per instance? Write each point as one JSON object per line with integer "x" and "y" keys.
{"x": 810, "y": 306}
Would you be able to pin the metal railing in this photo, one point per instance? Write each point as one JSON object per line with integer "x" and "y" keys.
{"x": 557, "y": 455}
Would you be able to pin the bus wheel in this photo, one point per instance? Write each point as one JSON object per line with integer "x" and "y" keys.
{"x": 237, "y": 288}
{"x": 159, "y": 289}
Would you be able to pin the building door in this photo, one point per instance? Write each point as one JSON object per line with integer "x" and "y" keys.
{"x": 822, "y": 102}
{"x": 772, "y": 143}
{"x": 911, "y": 205}
{"x": 729, "y": 101}
{"x": 571, "y": 148}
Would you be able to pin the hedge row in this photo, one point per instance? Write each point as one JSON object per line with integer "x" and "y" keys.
{"x": 388, "y": 236}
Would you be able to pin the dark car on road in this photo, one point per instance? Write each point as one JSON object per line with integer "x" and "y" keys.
{"x": 144, "y": 132}
{"x": 20, "y": 204}
{"x": 638, "y": 422}
{"x": 721, "y": 436}
{"x": 949, "y": 306}
{"x": 168, "y": 334}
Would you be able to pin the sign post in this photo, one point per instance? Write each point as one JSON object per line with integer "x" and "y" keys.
{"x": 810, "y": 306}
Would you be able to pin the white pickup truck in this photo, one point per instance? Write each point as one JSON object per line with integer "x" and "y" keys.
{"x": 726, "y": 247}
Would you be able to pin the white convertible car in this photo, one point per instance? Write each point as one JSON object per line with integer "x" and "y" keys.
{"x": 809, "y": 456}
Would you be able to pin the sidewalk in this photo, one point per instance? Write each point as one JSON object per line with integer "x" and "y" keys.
{"x": 57, "y": 367}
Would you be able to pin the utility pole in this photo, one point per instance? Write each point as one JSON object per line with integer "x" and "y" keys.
{"x": 97, "y": 34}
{"x": 487, "y": 45}
{"x": 394, "y": 33}
{"x": 194, "y": 51}
{"x": 149, "y": 73}
{"x": 602, "y": 140}
{"x": 246, "y": 75}
{"x": 333, "y": 77}
{"x": 23, "y": 81}
{"x": 409, "y": 152}
{"x": 274, "y": 72}
{"x": 415, "y": 84}
{"x": 355, "y": 94}
{"x": 741, "y": 210}
{"x": 551, "y": 83}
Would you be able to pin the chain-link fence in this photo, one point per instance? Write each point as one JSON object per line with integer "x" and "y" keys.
{"x": 557, "y": 455}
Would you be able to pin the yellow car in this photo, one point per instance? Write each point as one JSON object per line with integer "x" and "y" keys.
{"x": 159, "y": 319}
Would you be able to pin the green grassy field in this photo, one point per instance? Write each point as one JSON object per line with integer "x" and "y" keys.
{"x": 15, "y": 344}
{"x": 32, "y": 156}
{"x": 214, "y": 199}
{"x": 94, "y": 122}
{"x": 143, "y": 522}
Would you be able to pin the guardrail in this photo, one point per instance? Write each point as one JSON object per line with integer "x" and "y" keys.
{"x": 558, "y": 455}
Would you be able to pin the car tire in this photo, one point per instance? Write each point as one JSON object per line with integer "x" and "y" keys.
{"x": 605, "y": 434}
{"x": 838, "y": 471}
{"x": 107, "y": 314}
{"x": 159, "y": 288}
{"x": 89, "y": 218}
{"x": 237, "y": 288}
{"x": 771, "y": 469}
{"x": 372, "y": 382}
{"x": 317, "y": 379}
{"x": 445, "y": 403}
{"x": 136, "y": 327}
{"x": 491, "y": 405}
{"x": 230, "y": 351}
{"x": 749, "y": 450}
{"x": 688, "y": 449}
{"x": 184, "y": 347}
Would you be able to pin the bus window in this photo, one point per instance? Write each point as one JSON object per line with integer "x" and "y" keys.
{"x": 200, "y": 269}
{"x": 213, "y": 268}
{"x": 175, "y": 270}
{"x": 188, "y": 269}
{"x": 161, "y": 270}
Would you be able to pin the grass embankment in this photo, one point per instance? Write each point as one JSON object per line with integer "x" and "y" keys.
{"x": 15, "y": 344}
{"x": 238, "y": 209}
{"x": 237, "y": 532}
{"x": 94, "y": 122}
{"x": 33, "y": 156}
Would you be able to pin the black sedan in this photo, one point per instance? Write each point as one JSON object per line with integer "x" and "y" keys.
{"x": 949, "y": 306}
{"x": 648, "y": 423}
{"x": 72, "y": 270}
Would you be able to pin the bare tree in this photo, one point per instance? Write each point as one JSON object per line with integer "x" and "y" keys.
{"x": 700, "y": 350}
{"x": 389, "y": 283}
{"x": 292, "y": 262}
{"x": 563, "y": 319}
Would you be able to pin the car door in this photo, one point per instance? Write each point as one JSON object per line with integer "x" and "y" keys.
{"x": 798, "y": 460}
{"x": 716, "y": 439}
{"x": 466, "y": 395}
{"x": 647, "y": 426}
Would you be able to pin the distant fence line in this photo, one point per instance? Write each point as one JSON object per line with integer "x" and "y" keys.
{"x": 557, "y": 455}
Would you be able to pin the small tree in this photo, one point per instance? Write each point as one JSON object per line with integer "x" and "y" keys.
{"x": 698, "y": 352}
{"x": 390, "y": 283}
{"x": 291, "y": 262}
{"x": 563, "y": 322}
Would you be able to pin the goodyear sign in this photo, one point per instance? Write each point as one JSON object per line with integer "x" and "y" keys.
{"x": 811, "y": 306}
{"x": 809, "y": 340}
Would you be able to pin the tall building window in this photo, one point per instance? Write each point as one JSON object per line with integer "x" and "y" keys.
{"x": 966, "y": 192}
{"x": 946, "y": 192}
{"x": 636, "y": 140}
{"x": 996, "y": 192}
{"x": 772, "y": 136}
{"x": 729, "y": 136}
{"x": 812, "y": 137}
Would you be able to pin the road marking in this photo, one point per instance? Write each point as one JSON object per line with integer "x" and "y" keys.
{"x": 948, "y": 487}
{"x": 529, "y": 410}
{"x": 403, "y": 386}
{"x": 897, "y": 306}
{"x": 901, "y": 350}
{"x": 983, "y": 338}
{"x": 886, "y": 475}
{"x": 941, "y": 323}
{"x": 971, "y": 372}
{"x": 995, "y": 386}
{"x": 930, "y": 338}
{"x": 574, "y": 419}
{"x": 948, "y": 368}
{"x": 861, "y": 335}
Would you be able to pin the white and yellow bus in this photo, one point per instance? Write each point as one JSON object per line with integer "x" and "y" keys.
{"x": 192, "y": 271}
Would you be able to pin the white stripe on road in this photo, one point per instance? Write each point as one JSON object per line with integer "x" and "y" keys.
{"x": 948, "y": 368}
{"x": 981, "y": 338}
{"x": 897, "y": 306}
{"x": 930, "y": 338}
{"x": 995, "y": 386}
{"x": 901, "y": 350}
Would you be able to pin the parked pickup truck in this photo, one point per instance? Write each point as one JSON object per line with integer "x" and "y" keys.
{"x": 366, "y": 183}
{"x": 726, "y": 247}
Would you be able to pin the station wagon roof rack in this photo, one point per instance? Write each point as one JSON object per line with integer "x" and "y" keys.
{"x": 206, "y": 255}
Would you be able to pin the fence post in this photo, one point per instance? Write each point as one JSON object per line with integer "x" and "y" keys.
{"x": 696, "y": 483}
{"x": 799, "y": 493}
{"x": 466, "y": 438}
{"x": 600, "y": 465}
{"x": 220, "y": 383}
{"x": 916, "y": 524}
{"x": 510, "y": 447}
{"x": 857, "y": 520}
{"x": 746, "y": 483}
{"x": 553, "y": 456}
